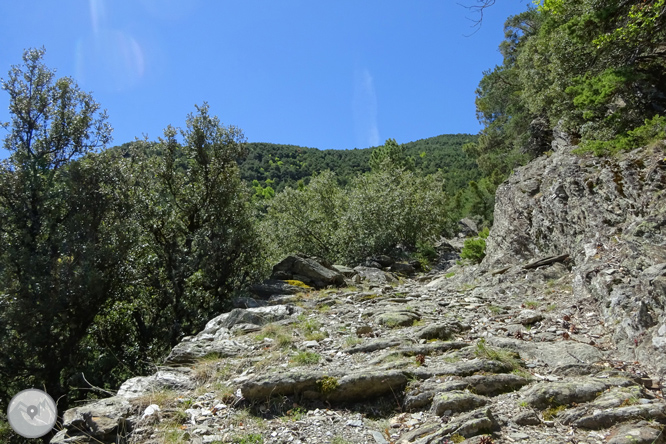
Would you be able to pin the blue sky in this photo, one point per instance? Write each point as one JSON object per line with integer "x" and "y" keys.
{"x": 327, "y": 74}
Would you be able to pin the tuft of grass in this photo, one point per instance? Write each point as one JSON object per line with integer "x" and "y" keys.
{"x": 352, "y": 341}
{"x": 494, "y": 309}
{"x": 312, "y": 329}
{"x": 297, "y": 413}
{"x": 531, "y": 304}
{"x": 324, "y": 308}
{"x": 251, "y": 438}
{"x": 450, "y": 275}
{"x": 551, "y": 307}
{"x": 508, "y": 357}
{"x": 306, "y": 358}
{"x": 281, "y": 334}
{"x": 163, "y": 398}
{"x": 550, "y": 413}
{"x": 339, "y": 440}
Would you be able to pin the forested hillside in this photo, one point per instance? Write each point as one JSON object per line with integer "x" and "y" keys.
{"x": 285, "y": 165}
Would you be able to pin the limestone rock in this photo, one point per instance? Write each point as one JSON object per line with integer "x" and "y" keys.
{"x": 98, "y": 421}
{"x": 166, "y": 378}
{"x": 456, "y": 401}
{"x": 375, "y": 276}
{"x": 308, "y": 270}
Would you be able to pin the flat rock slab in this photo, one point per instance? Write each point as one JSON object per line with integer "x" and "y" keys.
{"x": 472, "y": 424}
{"x": 189, "y": 352}
{"x": 442, "y": 331}
{"x": 456, "y": 401}
{"x": 403, "y": 318}
{"x": 553, "y": 394}
{"x": 164, "y": 379}
{"x": 634, "y": 434}
{"x": 606, "y": 418}
{"x": 463, "y": 368}
{"x": 272, "y": 287}
{"x": 257, "y": 316}
{"x": 96, "y": 421}
{"x": 553, "y": 354}
{"x": 351, "y": 387}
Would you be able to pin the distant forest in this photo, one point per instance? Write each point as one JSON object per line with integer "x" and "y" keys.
{"x": 282, "y": 166}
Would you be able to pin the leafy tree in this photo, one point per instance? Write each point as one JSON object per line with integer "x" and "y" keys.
{"x": 198, "y": 241}
{"x": 62, "y": 243}
{"x": 390, "y": 155}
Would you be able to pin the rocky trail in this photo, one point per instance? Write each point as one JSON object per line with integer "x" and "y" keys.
{"x": 511, "y": 357}
{"x": 558, "y": 336}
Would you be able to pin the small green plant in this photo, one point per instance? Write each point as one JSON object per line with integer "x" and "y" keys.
{"x": 352, "y": 341}
{"x": 523, "y": 404}
{"x": 652, "y": 130}
{"x": 550, "y": 413}
{"x": 531, "y": 304}
{"x": 425, "y": 253}
{"x": 475, "y": 249}
{"x": 252, "y": 438}
{"x": 327, "y": 384}
{"x": 494, "y": 309}
{"x": 296, "y": 414}
{"x": 280, "y": 334}
{"x": 306, "y": 358}
{"x": 324, "y": 308}
{"x": 484, "y": 351}
{"x": 457, "y": 438}
{"x": 339, "y": 440}
{"x": 551, "y": 307}
{"x": 450, "y": 274}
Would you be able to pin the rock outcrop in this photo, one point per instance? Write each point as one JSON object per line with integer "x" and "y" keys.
{"x": 609, "y": 216}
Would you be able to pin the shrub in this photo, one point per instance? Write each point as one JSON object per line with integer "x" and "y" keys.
{"x": 475, "y": 249}
{"x": 376, "y": 212}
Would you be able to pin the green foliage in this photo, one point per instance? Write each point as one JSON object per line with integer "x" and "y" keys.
{"x": 475, "y": 249}
{"x": 327, "y": 384}
{"x": 372, "y": 215}
{"x": 251, "y": 438}
{"x": 390, "y": 155}
{"x": 108, "y": 259}
{"x": 592, "y": 68}
{"x": 306, "y": 358}
{"x": 299, "y": 164}
{"x": 508, "y": 357}
{"x": 654, "y": 129}
{"x": 62, "y": 243}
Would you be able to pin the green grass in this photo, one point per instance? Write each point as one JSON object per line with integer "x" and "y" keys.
{"x": 352, "y": 341}
{"x": 252, "y": 438}
{"x": 550, "y": 413}
{"x": 306, "y": 358}
{"x": 531, "y": 304}
{"x": 484, "y": 351}
{"x": 279, "y": 333}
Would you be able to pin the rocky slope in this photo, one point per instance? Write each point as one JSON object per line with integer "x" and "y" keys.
{"x": 566, "y": 350}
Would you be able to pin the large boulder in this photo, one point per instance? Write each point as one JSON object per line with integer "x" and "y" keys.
{"x": 103, "y": 421}
{"x": 308, "y": 270}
